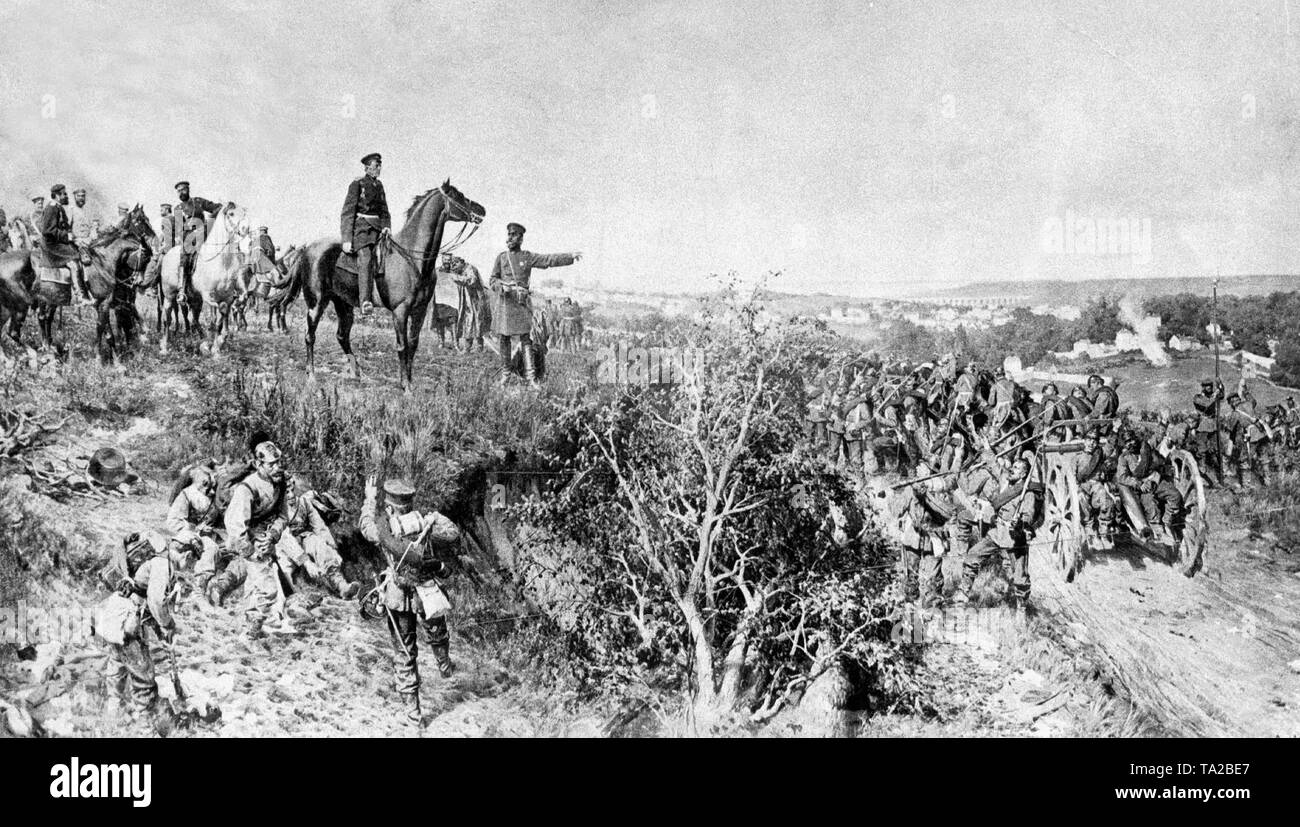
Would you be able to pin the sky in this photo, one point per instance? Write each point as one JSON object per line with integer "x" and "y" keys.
{"x": 861, "y": 148}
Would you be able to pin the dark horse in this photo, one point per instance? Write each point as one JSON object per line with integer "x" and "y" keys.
{"x": 117, "y": 257}
{"x": 406, "y": 288}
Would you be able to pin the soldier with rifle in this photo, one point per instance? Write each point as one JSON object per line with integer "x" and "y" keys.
{"x": 1209, "y": 442}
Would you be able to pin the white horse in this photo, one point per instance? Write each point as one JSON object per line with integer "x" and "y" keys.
{"x": 221, "y": 272}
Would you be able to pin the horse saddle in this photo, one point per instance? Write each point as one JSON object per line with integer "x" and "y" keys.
{"x": 348, "y": 261}
{"x": 56, "y": 275}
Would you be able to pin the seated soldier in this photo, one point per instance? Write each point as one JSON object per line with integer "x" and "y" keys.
{"x": 309, "y": 544}
{"x": 1145, "y": 479}
{"x": 1097, "y": 501}
{"x": 192, "y": 521}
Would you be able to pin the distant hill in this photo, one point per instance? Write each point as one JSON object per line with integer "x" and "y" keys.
{"x": 1078, "y": 292}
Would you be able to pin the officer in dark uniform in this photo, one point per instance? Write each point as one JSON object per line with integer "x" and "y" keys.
{"x": 512, "y": 309}
{"x": 57, "y": 242}
{"x": 189, "y": 218}
{"x": 364, "y": 222}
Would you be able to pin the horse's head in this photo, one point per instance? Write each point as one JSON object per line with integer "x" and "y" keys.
{"x": 459, "y": 207}
{"x": 137, "y": 225}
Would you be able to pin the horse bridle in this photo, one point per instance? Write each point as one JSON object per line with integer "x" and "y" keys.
{"x": 418, "y": 261}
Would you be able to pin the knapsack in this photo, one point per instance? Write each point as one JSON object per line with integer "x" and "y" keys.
{"x": 119, "y": 574}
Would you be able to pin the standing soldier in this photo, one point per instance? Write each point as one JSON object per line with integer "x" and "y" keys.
{"x": 1250, "y": 436}
{"x": 472, "y": 321}
{"x": 123, "y": 211}
{"x": 142, "y": 572}
{"x": 166, "y": 230}
{"x": 260, "y": 509}
{"x": 57, "y": 242}
{"x": 1105, "y": 401}
{"x": 191, "y": 229}
{"x": 1209, "y": 446}
{"x": 82, "y": 223}
{"x": 1013, "y": 510}
{"x": 927, "y": 508}
{"x": 363, "y": 223}
{"x": 411, "y": 597}
{"x": 262, "y": 258}
{"x": 512, "y": 311}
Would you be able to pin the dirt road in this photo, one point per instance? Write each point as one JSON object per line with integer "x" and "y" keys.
{"x": 1206, "y": 656}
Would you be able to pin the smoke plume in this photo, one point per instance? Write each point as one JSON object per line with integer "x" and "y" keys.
{"x": 1143, "y": 332}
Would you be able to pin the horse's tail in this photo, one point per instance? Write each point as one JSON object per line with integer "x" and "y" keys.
{"x": 295, "y": 264}
{"x": 13, "y": 295}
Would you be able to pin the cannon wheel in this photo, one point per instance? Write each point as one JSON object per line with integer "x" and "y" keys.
{"x": 1063, "y": 519}
{"x": 1187, "y": 476}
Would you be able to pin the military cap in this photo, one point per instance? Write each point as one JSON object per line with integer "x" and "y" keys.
{"x": 261, "y": 229}
{"x": 512, "y": 227}
{"x": 166, "y": 206}
{"x": 180, "y": 184}
{"x": 267, "y": 451}
{"x": 79, "y": 191}
{"x": 374, "y": 156}
{"x": 40, "y": 196}
{"x": 1233, "y": 395}
{"x": 1205, "y": 382}
{"x": 398, "y": 493}
{"x": 56, "y": 189}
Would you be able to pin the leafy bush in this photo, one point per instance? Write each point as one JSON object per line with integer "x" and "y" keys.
{"x": 699, "y": 546}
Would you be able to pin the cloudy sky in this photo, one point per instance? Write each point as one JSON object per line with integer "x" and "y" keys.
{"x": 859, "y": 147}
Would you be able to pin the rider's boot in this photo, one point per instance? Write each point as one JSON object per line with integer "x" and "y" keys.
{"x": 79, "y": 284}
{"x": 366, "y": 280}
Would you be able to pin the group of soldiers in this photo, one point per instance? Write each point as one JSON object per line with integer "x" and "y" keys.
{"x": 260, "y": 528}
{"x": 63, "y": 231}
{"x": 969, "y": 444}
{"x": 365, "y": 223}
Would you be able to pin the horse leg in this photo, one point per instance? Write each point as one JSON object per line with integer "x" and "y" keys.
{"x": 313, "y": 319}
{"x": 221, "y": 328}
{"x": 104, "y": 339}
{"x": 401, "y": 328}
{"x": 45, "y": 321}
{"x": 344, "y": 335}
{"x": 413, "y": 341}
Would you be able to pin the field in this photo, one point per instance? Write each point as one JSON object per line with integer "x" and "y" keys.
{"x": 1037, "y": 677}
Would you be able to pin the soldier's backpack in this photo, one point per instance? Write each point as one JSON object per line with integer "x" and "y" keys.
{"x": 118, "y": 616}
